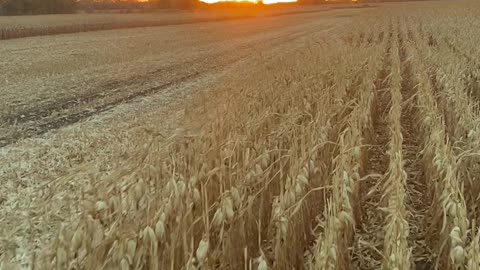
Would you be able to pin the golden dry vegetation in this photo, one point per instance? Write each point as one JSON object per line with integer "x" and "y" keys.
{"x": 96, "y": 71}
{"x": 353, "y": 147}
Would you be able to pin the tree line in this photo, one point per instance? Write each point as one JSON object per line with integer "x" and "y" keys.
{"x": 32, "y": 7}
{"x": 17, "y": 7}
{"x": 88, "y": 5}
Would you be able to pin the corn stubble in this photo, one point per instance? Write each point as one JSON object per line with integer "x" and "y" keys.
{"x": 397, "y": 253}
{"x": 280, "y": 185}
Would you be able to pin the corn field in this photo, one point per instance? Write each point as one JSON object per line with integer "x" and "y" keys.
{"x": 363, "y": 153}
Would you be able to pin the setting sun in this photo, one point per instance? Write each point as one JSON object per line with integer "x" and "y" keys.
{"x": 238, "y": 1}
{"x": 267, "y": 2}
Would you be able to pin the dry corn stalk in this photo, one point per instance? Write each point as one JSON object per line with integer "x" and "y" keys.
{"x": 441, "y": 170}
{"x": 473, "y": 252}
{"x": 397, "y": 254}
{"x": 341, "y": 212}
{"x": 451, "y": 76}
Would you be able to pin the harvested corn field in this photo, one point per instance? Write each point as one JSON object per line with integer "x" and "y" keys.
{"x": 26, "y": 26}
{"x": 348, "y": 141}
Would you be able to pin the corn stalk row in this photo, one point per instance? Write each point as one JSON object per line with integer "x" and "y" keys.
{"x": 397, "y": 254}
{"x": 449, "y": 210}
{"x": 342, "y": 212}
{"x": 449, "y": 78}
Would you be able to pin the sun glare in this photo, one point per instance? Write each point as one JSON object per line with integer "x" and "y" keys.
{"x": 237, "y": 1}
{"x": 267, "y": 2}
